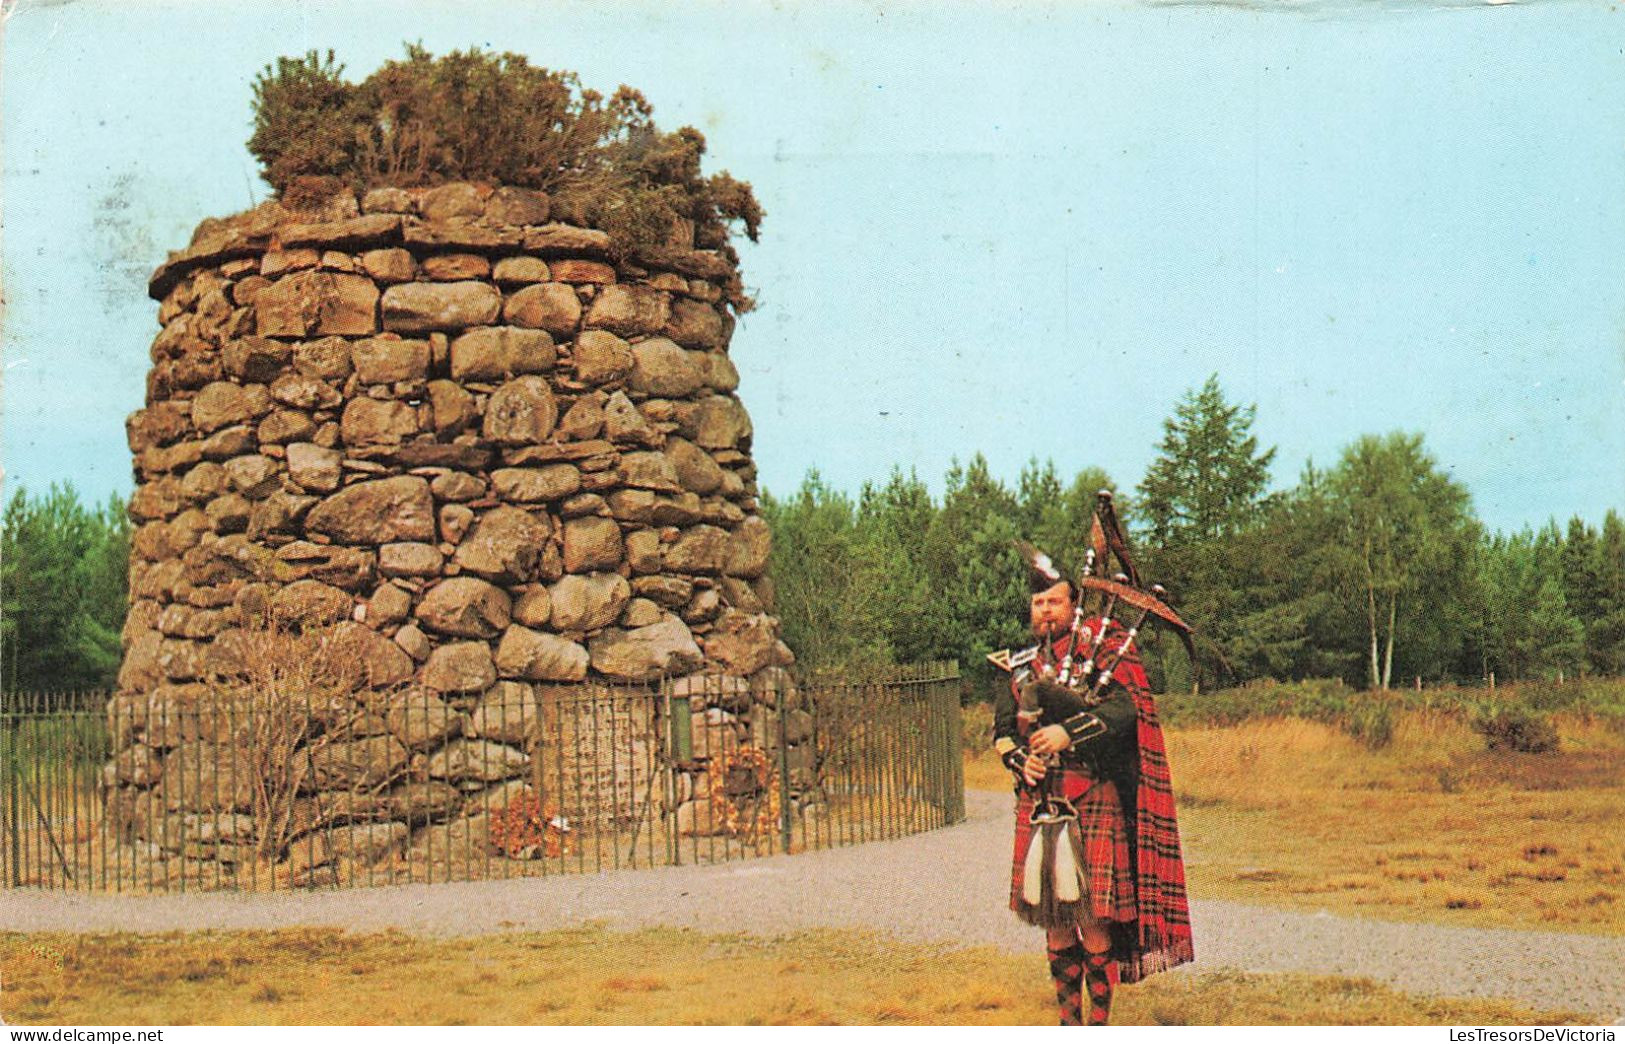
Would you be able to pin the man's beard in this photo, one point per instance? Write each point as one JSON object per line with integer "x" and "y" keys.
{"x": 1049, "y": 628}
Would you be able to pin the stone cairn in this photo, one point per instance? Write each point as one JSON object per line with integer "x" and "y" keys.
{"x": 501, "y": 457}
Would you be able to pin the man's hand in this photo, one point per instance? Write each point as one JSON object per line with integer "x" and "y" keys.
{"x": 1051, "y": 739}
{"x": 1033, "y": 771}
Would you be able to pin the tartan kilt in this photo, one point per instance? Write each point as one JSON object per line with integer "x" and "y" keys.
{"x": 1109, "y": 873}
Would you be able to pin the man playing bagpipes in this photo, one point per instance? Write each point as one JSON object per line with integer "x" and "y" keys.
{"x": 1097, "y": 859}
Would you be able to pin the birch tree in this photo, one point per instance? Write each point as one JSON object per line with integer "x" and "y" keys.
{"x": 1407, "y": 537}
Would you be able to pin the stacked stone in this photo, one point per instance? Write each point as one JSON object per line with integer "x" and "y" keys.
{"x": 489, "y": 448}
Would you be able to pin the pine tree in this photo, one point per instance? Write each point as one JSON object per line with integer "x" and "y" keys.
{"x": 1554, "y": 638}
{"x": 976, "y": 571}
{"x": 894, "y": 523}
{"x": 822, "y": 578}
{"x": 1605, "y": 634}
{"x": 1209, "y": 477}
{"x": 63, "y": 591}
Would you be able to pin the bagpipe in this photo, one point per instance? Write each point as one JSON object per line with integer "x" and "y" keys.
{"x": 1066, "y": 692}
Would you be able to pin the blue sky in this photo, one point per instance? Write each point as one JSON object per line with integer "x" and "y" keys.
{"x": 988, "y": 226}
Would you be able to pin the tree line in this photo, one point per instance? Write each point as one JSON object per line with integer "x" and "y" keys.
{"x": 1373, "y": 570}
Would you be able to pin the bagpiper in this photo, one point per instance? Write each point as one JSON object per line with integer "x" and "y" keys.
{"x": 1097, "y": 859}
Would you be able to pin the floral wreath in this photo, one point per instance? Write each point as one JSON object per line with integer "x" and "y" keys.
{"x": 526, "y": 829}
{"x": 749, "y": 815}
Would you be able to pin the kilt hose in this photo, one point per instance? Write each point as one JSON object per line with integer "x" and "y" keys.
{"x": 1108, "y": 867}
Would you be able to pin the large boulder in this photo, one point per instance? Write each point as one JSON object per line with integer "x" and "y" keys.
{"x": 508, "y": 713}
{"x": 377, "y": 422}
{"x": 601, "y": 357}
{"x": 385, "y": 360}
{"x": 308, "y": 303}
{"x": 743, "y": 642}
{"x": 642, "y": 653}
{"x": 629, "y": 310}
{"x": 363, "y": 762}
{"x": 506, "y": 546}
{"x": 539, "y": 656}
{"x": 383, "y": 663}
{"x": 535, "y": 485}
{"x": 553, "y": 307}
{"x": 720, "y": 422}
{"x": 377, "y": 512}
{"x": 476, "y": 760}
{"x": 700, "y": 549}
{"x": 222, "y": 404}
{"x": 521, "y": 412}
{"x": 419, "y": 718}
{"x": 310, "y": 603}
{"x": 498, "y": 352}
{"x": 314, "y": 467}
{"x": 752, "y": 544}
{"x": 460, "y": 667}
{"x": 587, "y": 602}
{"x": 661, "y": 368}
{"x": 465, "y": 606}
{"x": 427, "y": 307}
{"x": 695, "y": 469}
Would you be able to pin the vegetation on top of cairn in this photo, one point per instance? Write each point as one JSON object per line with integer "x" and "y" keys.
{"x": 479, "y": 116}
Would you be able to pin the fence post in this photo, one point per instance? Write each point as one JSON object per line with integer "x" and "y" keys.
{"x": 784, "y": 764}
{"x": 670, "y": 742}
{"x": 14, "y": 800}
{"x": 948, "y": 693}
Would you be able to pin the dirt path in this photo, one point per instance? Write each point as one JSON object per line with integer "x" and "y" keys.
{"x": 945, "y": 886}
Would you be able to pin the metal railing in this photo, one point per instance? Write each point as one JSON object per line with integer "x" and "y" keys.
{"x": 196, "y": 788}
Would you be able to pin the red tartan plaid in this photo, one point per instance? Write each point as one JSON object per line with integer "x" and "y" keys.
{"x": 1161, "y": 937}
{"x": 1109, "y": 870}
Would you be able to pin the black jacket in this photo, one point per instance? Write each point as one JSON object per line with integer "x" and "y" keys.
{"x": 1109, "y": 754}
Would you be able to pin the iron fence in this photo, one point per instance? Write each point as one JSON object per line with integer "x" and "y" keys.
{"x": 200, "y": 788}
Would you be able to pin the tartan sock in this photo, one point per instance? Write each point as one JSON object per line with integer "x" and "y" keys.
{"x": 1066, "y": 968}
{"x": 1099, "y": 973}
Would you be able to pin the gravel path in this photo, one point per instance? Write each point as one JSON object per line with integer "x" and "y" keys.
{"x": 944, "y": 886}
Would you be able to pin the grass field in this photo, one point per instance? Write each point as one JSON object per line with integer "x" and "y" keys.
{"x": 662, "y": 976}
{"x": 1430, "y": 827}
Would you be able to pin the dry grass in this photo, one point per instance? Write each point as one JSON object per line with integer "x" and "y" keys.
{"x": 659, "y": 976}
{"x": 1433, "y": 827}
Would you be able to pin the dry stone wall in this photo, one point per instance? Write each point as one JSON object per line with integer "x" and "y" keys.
{"x": 495, "y": 452}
